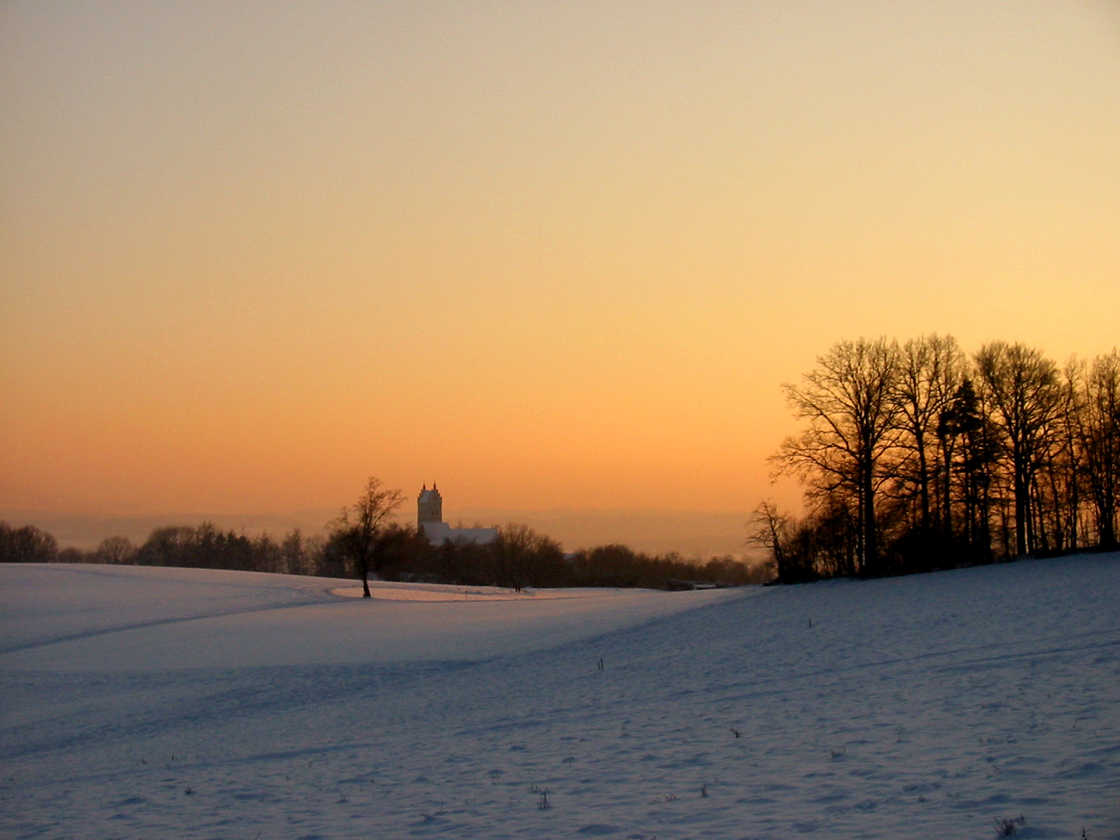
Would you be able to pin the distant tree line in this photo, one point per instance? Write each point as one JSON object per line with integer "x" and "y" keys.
{"x": 916, "y": 456}
{"x": 518, "y": 559}
{"x": 202, "y": 547}
{"x": 26, "y": 545}
{"x": 521, "y": 557}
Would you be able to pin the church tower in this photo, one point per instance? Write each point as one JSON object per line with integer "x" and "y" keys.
{"x": 429, "y": 506}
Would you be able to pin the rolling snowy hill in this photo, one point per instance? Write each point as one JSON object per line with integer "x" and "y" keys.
{"x": 143, "y": 703}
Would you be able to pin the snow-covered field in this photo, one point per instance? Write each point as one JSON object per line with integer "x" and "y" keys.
{"x": 171, "y": 703}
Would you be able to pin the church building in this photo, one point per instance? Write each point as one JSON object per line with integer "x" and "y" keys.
{"x": 429, "y": 520}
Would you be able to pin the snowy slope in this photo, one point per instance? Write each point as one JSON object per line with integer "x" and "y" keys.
{"x": 176, "y": 703}
{"x": 110, "y": 618}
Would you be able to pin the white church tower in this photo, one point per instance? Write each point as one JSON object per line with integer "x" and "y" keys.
{"x": 429, "y": 522}
{"x": 429, "y": 506}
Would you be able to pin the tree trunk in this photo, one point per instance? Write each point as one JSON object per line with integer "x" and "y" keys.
{"x": 923, "y": 484}
{"x": 870, "y": 548}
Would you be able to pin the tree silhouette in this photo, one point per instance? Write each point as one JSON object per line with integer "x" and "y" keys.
{"x": 360, "y": 530}
{"x": 930, "y": 371}
{"x": 848, "y": 401}
{"x": 1100, "y": 438}
{"x": 1022, "y": 386}
{"x": 26, "y": 545}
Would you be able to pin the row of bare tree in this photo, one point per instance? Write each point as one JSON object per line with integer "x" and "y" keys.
{"x": 365, "y": 541}
{"x": 27, "y": 544}
{"x": 915, "y": 456}
{"x": 203, "y": 546}
{"x": 522, "y": 557}
{"x": 368, "y": 542}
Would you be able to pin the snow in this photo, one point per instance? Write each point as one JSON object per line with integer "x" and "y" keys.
{"x": 143, "y": 702}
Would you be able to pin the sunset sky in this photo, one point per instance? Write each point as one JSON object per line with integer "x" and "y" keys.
{"x": 549, "y": 255}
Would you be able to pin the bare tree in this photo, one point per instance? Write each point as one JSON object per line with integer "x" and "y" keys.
{"x": 115, "y": 550}
{"x": 1101, "y": 442}
{"x": 523, "y": 557}
{"x": 1023, "y": 387}
{"x": 931, "y": 369}
{"x": 769, "y": 529}
{"x": 848, "y": 403}
{"x": 1065, "y": 467}
{"x": 26, "y": 545}
{"x": 359, "y": 531}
